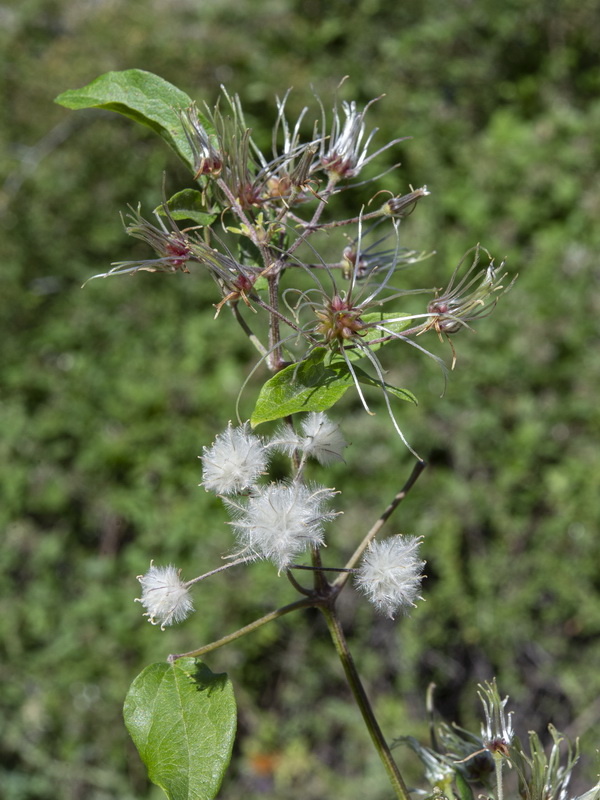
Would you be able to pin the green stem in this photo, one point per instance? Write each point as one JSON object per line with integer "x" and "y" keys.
{"x": 311, "y": 226}
{"x": 280, "y": 612}
{"x": 247, "y": 221}
{"x": 363, "y": 703}
{"x": 498, "y": 759}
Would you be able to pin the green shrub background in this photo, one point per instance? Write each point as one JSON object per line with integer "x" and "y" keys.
{"x": 108, "y": 394}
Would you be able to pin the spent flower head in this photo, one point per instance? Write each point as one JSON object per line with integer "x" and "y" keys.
{"x": 390, "y": 574}
{"x": 342, "y": 153}
{"x": 349, "y": 321}
{"x": 282, "y": 520}
{"x": 172, "y": 246}
{"x": 474, "y": 296}
{"x": 497, "y": 732}
{"x": 238, "y": 183}
{"x": 164, "y": 596}
{"x": 403, "y": 205}
{"x": 287, "y": 174}
{"x": 208, "y": 159}
{"x": 321, "y": 439}
{"x": 541, "y": 776}
{"x": 234, "y": 462}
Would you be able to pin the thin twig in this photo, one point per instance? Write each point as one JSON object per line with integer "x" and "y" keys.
{"x": 280, "y": 612}
{"x": 247, "y": 330}
{"x": 417, "y": 470}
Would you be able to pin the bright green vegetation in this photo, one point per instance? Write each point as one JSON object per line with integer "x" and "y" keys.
{"x": 109, "y": 393}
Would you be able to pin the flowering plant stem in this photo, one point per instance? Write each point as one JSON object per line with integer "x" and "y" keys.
{"x": 313, "y": 327}
{"x": 279, "y": 612}
{"x": 498, "y": 764}
{"x": 341, "y": 646}
{"x": 324, "y": 596}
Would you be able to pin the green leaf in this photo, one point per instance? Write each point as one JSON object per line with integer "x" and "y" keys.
{"x": 398, "y": 324}
{"x": 307, "y": 386}
{"x": 312, "y": 385}
{"x": 182, "y": 719}
{"x": 143, "y": 97}
{"x": 261, "y": 285}
{"x": 248, "y": 253}
{"x": 188, "y": 204}
{"x": 464, "y": 790}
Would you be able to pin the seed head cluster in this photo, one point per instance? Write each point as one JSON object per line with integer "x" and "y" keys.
{"x": 320, "y": 439}
{"x": 280, "y": 520}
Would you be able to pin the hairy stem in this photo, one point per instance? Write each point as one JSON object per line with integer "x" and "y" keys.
{"x": 311, "y": 226}
{"x": 246, "y": 221}
{"x": 498, "y": 762}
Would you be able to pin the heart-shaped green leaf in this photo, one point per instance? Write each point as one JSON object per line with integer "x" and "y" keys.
{"x": 182, "y": 719}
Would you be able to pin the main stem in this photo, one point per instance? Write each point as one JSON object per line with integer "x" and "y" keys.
{"x": 363, "y": 703}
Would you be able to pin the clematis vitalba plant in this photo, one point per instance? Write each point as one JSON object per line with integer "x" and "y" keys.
{"x": 321, "y": 297}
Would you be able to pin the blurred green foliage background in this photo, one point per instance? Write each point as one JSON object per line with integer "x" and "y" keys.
{"x": 108, "y": 394}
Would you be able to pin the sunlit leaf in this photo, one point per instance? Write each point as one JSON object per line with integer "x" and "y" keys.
{"x": 312, "y": 385}
{"x": 182, "y": 719}
{"x": 143, "y": 97}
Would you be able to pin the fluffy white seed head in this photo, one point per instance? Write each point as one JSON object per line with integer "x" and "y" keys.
{"x": 234, "y": 462}
{"x": 322, "y": 439}
{"x": 390, "y": 573}
{"x": 286, "y": 440}
{"x": 281, "y": 520}
{"x": 164, "y": 596}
